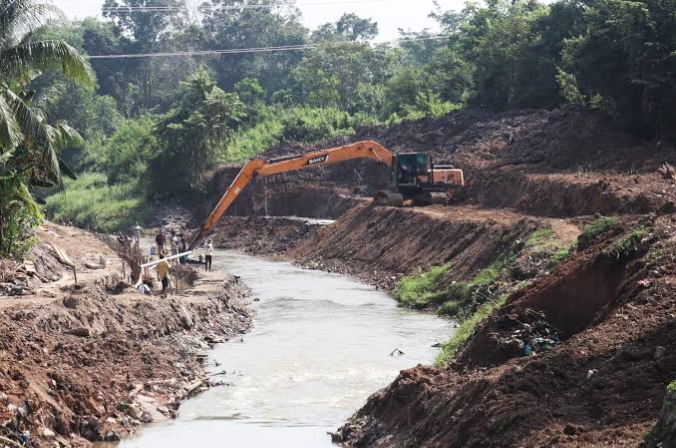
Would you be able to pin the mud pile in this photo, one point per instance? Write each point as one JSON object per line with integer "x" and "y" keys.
{"x": 601, "y": 385}
{"x": 91, "y": 361}
{"x": 258, "y": 235}
{"x": 561, "y": 163}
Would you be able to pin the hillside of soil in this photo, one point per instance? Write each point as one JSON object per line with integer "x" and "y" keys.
{"x": 91, "y": 361}
{"x": 602, "y": 385}
{"x": 561, "y": 163}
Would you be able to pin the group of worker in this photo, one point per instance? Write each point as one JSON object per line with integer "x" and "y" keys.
{"x": 166, "y": 247}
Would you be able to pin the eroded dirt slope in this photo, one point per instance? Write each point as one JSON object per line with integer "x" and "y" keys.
{"x": 561, "y": 163}
{"x": 603, "y": 385}
{"x": 379, "y": 244}
{"x": 92, "y": 361}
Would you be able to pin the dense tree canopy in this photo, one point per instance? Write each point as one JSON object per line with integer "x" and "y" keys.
{"x": 279, "y": 80}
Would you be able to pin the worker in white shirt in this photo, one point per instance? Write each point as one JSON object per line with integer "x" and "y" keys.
{"x": 209, "y": 247}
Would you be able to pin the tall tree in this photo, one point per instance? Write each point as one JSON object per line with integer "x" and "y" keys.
{"x": 28, "y": 142}
{"x": 190, "y": 135}
{"x": 231, "y": 24}
{"x": 350, "y": 27}
{"x": 145, "y": 23}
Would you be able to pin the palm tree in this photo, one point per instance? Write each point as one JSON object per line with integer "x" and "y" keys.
{"x": 29, "y": 144}
{"x": 21, "y": 60}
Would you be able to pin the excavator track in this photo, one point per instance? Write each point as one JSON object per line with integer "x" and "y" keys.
{"x": 388, "y": 198}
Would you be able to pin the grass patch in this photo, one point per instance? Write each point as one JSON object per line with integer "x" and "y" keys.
{"x": 538, "y": 237}
{"x": 466, "y": 329}
{"x": 90, "y": 202}
{"x": 627, "y": 245}
{"x": 459, "y": 294}
{"x": 596, "y": 228}
{"x": 672, "y": 386}
{"x": 562, "y": 255}
{"x": 420, "y": 290}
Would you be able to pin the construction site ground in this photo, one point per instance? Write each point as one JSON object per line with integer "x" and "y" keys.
{"x": 611, "y": 301}
{"x": 94, "y": 360}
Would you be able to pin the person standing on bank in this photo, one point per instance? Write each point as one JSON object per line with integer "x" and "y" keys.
{"x": 160, "y": 240}
{"x": 163, "y": 272}
{"x": 137, "y": 231}
{"x": 209, "y": 257}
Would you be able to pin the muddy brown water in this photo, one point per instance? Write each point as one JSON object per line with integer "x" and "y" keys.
{"x": 320, "y": 346}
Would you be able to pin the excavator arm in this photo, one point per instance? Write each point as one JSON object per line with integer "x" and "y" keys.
{"x": 365, "y": 149}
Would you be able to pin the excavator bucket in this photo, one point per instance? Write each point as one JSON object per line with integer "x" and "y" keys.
{"x": 388, "y": 198}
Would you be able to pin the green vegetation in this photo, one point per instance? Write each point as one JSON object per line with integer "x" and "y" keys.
{"x": 562, "y": 255}
{"x": 467, "y": 328}
{"x": 671, "y": 387}
{"x": 425, "y": 289}
{"x": 29, "y": 142}
{"x": 420, "y": 290}
{"x": 543, "y": 244}
{"x": 627, "y": 245}
{"x": 601, "y": 225}
{"x": 539, "y": 237}
{"x": 93, "y": 203}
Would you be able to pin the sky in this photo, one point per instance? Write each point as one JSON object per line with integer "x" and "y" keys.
{"x": 390, "y": 14}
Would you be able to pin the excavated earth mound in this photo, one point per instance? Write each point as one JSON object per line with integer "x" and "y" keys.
{"x": 561, "y": 163}
{"x": 91, "y": 361}
{"x": 602, "y": 385}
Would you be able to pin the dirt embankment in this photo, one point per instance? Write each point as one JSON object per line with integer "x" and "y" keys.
{"x": 602, "y": 384}
{"x": 265, "y": 236}
{"x": 562, "y": 163}
{"x": 594, "y": 322}
{"x": 380, "y": 244}
{"x": 92, "y": 361}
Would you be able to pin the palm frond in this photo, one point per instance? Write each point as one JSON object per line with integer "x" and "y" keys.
{"x": 5, "y": 156}
{"x": 25, "y": 196}
{"x": 10, "y": 129}
{"x": 44, "y": 99}
{"x": 64, "y": 136}
{"x": 66, "y": 170}
{"x": 19, "y": 17}
{"x": 45, "y": 56}
{"x": 36, "y": 133}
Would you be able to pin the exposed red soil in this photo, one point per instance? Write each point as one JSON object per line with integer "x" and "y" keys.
{"x": 613, "y": 312}
{"x": 525, "y": 170}
{"x": 92, "y": 364}
{"x": 379, "y": 244}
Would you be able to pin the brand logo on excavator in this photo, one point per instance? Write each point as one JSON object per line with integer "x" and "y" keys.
{"x": 318, "y": 159}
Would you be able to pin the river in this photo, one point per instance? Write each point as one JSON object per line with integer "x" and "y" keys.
{"x": 321, "y": 345}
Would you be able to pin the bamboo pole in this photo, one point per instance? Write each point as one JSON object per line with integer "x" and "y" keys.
{"x": 173, "y": 257}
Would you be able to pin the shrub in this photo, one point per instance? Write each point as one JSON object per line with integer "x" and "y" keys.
{"x": 91, "y": 202}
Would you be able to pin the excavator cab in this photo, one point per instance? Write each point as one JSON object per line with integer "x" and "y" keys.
{"x": 415, "y": 177}
{"x": 413, "y": 171}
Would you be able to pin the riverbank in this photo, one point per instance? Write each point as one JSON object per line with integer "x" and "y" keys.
{"x": 92, "y": 361}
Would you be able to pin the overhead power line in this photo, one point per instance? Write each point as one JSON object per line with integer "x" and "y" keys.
{"x": 242, "y": 50}
{"x": 233, "y": 7}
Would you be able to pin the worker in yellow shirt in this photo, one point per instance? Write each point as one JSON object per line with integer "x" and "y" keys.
{"x": 163, "y": 272}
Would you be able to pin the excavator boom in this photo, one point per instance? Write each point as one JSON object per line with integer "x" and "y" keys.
{"x": 258, "y": 167}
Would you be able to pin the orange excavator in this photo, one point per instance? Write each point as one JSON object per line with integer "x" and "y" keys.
{"x": 413, "y": 176}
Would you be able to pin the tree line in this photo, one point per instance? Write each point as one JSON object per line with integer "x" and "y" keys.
{"x": 152, "y": 126}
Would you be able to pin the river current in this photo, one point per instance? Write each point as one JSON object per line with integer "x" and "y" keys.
{"x": 320, "y": 346}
